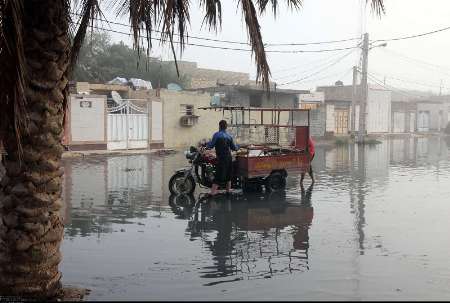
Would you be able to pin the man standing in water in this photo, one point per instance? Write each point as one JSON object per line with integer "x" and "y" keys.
{"x": 223, "y": 144}
{"x": 311, "y": 150}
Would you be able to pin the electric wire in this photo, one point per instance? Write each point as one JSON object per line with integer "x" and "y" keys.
{"x": 238, "y": 42}
{"x": 230, "y": 48}
{"x": 318, "y": 71}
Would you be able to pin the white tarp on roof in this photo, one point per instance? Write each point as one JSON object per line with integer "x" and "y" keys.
{"x": 118, "y": 80}
{"x": 140, "y": 84}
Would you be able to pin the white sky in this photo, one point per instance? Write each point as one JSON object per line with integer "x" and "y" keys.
{"x": 324, "y": 20}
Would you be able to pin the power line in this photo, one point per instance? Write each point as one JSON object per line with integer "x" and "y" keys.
{"x": 412, "y": 82}
{"x": 239, "y": 42}
{"x": 414, "y": 36}
{"x": 312, "y": 43}
{"x": 389, "y": 87}
{"x": 429, "y": 65}
{"x": 312, "y": 66}
{"x": 231, "y": 48}
{"x": 320, "y": 70}
{"x": 339, "y": 75}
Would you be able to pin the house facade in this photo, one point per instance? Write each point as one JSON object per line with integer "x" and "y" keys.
{"x": 339, "y": 115}
{"x": 403, "y": 118}
{"x": 432, "y": 116}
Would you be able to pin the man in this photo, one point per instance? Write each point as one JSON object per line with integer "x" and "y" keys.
{"x": 223, "y": 144}
{"x": 311, "y": 150}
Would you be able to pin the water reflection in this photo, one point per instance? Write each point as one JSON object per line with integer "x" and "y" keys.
{"x": 249, "y": 236}
{"x": 353, "y": 224}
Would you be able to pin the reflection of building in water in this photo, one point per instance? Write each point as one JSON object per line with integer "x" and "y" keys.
{"x": 413, "y": 151}
{"x": 254, "y": 239}
{"x": 100, "y": 191}
{"x": 403, "y": 150}
{"x": 344, "y": 158}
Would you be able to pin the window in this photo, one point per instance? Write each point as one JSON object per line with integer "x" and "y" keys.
{"x": 187, "y": 109}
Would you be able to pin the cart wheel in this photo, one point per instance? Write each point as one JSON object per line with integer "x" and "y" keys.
{"x": 275, "y": 181}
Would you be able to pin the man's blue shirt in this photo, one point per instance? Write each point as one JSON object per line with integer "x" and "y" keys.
{"x": 222, "y": 142}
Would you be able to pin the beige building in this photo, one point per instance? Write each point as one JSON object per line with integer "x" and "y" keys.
{"x": 184, "y": 124}
{"x": 205, "y": 77}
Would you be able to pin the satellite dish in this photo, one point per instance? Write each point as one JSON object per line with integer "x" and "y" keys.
{"x": 116, "y": 97}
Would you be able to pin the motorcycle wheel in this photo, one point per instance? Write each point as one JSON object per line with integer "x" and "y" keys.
{"x": 179, "y": 186}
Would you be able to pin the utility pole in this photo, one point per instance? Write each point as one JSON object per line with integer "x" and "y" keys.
{"x": 364, "y": 90}
{"x": 354, "y": 97}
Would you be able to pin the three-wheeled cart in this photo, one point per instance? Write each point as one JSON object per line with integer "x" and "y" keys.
{"x": 273, "y": 141}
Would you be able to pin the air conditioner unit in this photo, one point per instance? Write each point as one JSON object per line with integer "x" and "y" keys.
{"x": 188, "y": 120}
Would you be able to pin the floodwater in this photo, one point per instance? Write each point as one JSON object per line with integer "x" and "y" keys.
{"x": 375, "y": 226}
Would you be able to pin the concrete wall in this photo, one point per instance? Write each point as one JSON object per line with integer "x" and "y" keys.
{"x": 177, "y": 136}
{"x": 317, "y": 121}
{"x": 329, "y": 120}
{"x": 379, "y": 111}
{"x": 336, "y": 93}
{"x": 204, "y": 77}
{"x": 280, "y": 100}
{"x": 86, "y": 124}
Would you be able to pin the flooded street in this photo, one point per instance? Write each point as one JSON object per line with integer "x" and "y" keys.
{"x": 374, "y": 227}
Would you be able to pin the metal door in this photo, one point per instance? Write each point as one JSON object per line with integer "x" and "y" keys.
{"x": 127, "y": 126}
{"x": 341, "y": 121}
{"x": 423, "y": 121}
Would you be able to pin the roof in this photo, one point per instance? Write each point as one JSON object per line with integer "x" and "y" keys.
{"x": 255, "y": 108}
{"x": 255, "y": 88}
{"x": 272, "y": 90}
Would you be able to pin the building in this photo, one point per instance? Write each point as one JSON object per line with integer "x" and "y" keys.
{"x": 112, "y": 116}
{"x": 184, "y": 124}
{"x": 428, "y": 113}
{"x": 432, "y": 116}
{"x": 338, "y": 103}
{"x": 315, "y": 102}
{"x": 205, "y": 77}
{"x": 403, "y": 117}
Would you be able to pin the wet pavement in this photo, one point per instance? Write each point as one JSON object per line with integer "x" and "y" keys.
{"x": 375, "y": 226}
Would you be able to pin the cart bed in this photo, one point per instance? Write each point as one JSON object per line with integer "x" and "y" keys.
{"x": 262, "y": 166}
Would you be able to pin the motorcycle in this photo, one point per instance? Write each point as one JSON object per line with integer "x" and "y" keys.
{"x": 201, "y": 171}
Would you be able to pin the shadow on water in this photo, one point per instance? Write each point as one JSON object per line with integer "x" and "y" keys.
{"x": 257, "y": 236}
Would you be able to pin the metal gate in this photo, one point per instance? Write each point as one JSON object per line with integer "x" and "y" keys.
{"x": 341, "y": 121}
{"x": 128, "y": 126}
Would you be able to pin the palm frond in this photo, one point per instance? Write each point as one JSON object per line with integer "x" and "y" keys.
{"x": 13, "y": 104}
{"x": 213, "y": 13}
{"x": 292, "y": 4}
{"x": 377, "y": 6}
{"x": 256, "y": 42}
{"x": 90, "y": 10}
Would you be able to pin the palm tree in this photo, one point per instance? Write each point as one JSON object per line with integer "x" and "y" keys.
{"x": 38, "y": 48}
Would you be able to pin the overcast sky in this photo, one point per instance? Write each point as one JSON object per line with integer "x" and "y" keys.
{"x": 420, "y": 63}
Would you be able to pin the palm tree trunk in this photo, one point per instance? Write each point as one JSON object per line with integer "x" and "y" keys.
{"x": 31, "y": 228}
